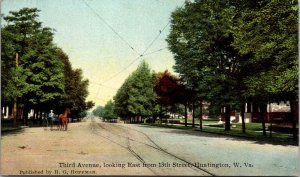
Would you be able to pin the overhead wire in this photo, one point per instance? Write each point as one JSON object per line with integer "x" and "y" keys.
{"x": 150, "y": 53}
{"x": 109, "y": 26}
{"x": 147, "y": 48}
{"x": 129, "y": 66}
{"x": 132, "y": 48}
{"x": 115, "y": 75}
{"x": 114, "y": 31}
{"x": 102, "y": 84}
{"x": 156, "y": 37}
{"x": 142, "y": 55}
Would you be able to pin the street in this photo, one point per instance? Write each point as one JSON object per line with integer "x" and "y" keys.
{"x": 93, "y": 147}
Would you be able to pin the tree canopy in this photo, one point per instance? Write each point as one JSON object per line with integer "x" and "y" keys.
{"x": 136, "y": 96}
{"x": 34, "y": 69}
{"x": 233, "y": 51}
{"x": 268, "y": 31}
{"x": 168, "y": 88}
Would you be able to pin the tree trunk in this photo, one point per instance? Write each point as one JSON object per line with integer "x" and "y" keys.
{"x": 10, "y": 112}
{"x": 185, "y": 114}
{"x": 262, "y": 110}
{"x": 227, "y": 117}
{"x": 293, "y": 117}
{"x": 25, "y": 121}
{"x": 22, "y": 113}
{"x": 40, "y": 114}
{"x": 193, "y": 114}
{"x": 161, "y": 114}
{"x": 243, "y": 117}
{"x": 201, "y": 114}
{"x": 15, "y": 112}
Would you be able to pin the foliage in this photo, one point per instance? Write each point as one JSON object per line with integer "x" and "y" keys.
{"x": 42, "y": 77}
{"x": 166, "y": 87}
{"x": 230, "y": 52}
{"x": 108, "y": 110}
{"x": 268, "y": 31}
{"x": 170, "y": 90}
{"x": 98, "y": 111}
{"x": 200, "y": 40}
{"x": 82, "y": 114}
{"x": 89, "y": 105}
{"x": 136, "y": 96}
{"x": 75, "y": 88}
{"x": 37, "y": 79}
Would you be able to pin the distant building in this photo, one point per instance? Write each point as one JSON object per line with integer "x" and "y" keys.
{"x": 276, "y": 112}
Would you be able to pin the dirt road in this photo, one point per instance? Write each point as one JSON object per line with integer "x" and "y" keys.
{"x": 96, "y": 148}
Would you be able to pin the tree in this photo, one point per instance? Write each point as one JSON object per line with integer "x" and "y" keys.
{"x": 42, "y": 77}
{"x": 89, "y": 105}
{"x": 165, "y": 86}
{"x": 77, "y": 94}
{"x": 168, "y": 89}
{"x": 108, "y": 111}
{"x": 268, "y": 31}
{"x": 136, "y": 97}
{"x": 99, "y": 111}
{"x": 121, "y": 100}
{"x": 200, "y": 40}
{"x": 76, "y": 88}
{"x": 232, "y": 52}
{"x": 37, "y": 78}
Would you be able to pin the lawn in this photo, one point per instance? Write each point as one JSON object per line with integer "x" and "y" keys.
{"x": 197, "y": 122}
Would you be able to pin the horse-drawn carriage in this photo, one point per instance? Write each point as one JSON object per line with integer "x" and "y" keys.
{"x": 61, "y": 121}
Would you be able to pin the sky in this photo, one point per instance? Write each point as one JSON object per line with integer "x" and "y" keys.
{"x": 106, "y": 38}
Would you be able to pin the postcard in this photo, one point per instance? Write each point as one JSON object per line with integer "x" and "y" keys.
{"x": 149, "y": 88}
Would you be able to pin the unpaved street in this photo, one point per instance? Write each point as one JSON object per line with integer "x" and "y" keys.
{"x": 96, "y": 148}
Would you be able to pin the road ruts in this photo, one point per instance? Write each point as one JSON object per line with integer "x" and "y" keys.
{"x": 143, "y": 148}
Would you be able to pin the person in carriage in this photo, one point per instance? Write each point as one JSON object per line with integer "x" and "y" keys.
{"x": 51, "y": 119}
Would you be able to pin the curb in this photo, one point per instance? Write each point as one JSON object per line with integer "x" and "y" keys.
{"x": 12, "y": 129}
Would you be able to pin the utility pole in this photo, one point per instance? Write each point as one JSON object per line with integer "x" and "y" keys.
{"x": 15, "y": 99}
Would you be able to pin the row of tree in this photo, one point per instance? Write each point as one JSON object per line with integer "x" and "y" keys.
{"x": 227, "y": 53}
{"x": 35, "y": 73}
{"x": 233, "y": 52}
{"x": 146, "y": 94}
{"x": 107, "y": 112}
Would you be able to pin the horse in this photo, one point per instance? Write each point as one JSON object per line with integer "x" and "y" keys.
{"x": 63, "y": 119}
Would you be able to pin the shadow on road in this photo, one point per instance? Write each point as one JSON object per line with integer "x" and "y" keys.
{"x": 11, "y": 131}
{"x": 261, "y": 141}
